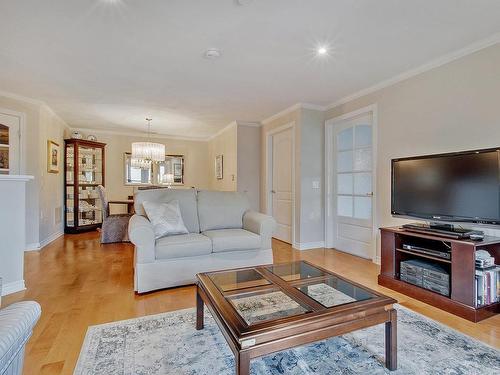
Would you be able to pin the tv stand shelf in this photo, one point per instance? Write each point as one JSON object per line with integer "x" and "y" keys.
{"x": 461, "y": 268}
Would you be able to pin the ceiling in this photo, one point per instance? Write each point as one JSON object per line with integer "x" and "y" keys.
{"x": 107, "y": 64}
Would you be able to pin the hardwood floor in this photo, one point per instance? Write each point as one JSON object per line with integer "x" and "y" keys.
{"x": 80, "y": 283}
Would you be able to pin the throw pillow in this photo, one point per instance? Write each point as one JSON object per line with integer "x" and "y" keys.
{"x": 165, "y": 217}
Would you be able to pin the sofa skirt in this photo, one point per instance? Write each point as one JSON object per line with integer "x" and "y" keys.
{"x": 169, "y": 273}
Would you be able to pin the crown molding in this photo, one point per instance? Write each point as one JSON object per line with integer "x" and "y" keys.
{"x": 293, "y": 108}
{"x": 249, "y": 123}
{"x": 443, "y": 60}
{"x": 139, "y": 134}
{"x": 39, "y": 103}
{"x": 22, "y": 98}
{"x": 225, "y": 128}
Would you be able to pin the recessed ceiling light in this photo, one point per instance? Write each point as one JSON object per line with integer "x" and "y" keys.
{"x": 213, "y": 53}
{"x": 322, "y": 50}
{"x": 243, "y": 2}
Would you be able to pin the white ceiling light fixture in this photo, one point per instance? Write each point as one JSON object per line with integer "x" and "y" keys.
{"x": 322, "y": 51}
{"x": 144, "y": 154}
{"x": 212, "y": 53}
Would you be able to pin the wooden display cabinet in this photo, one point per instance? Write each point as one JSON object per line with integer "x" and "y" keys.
{"x": 83, "y": 173}
{"x": 461, "y": 267}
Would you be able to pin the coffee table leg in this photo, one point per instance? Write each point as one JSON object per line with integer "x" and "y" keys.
{"x": 391, "y": 341}
{"x": 242, "y": 364}
{"x": 199, "y": 309}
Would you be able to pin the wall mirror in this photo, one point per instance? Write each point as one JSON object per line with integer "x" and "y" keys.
{"x": 167, "y": 173}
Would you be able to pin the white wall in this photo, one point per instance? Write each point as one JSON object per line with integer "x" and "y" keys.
{"x": 248, "y": 163}
{"x": 226, "y": 144}
{"x": 12, "y": 233}
{"x": 312, "y": 169}
{"x": 50, "y": 185}
{"x": 450, "y": 108}
{"x": 44, "y": 195}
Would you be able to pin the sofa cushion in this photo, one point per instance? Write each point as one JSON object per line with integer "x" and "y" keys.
{"x": 232, "y": 239}
{"x": 183, "y": 245}
{"x": 165, "y": 217}
{"x": 185, "y": 197}
{"x": 221, "y": 209}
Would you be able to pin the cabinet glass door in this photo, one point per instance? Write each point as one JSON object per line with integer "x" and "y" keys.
{"x": 70, "y": 189}
{"x": 89, "y": 177}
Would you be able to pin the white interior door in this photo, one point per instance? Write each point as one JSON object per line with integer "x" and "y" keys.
{"x": 353, "y": 186}
{"x": 9, "y": 144}
{"x": 281, "y": 183}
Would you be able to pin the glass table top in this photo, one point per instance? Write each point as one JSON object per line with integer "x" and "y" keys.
{"x": 238, "y": 279}
{"x": 295, "y": 271}
{"x": 284, "y": 290}
{"x": 266, "y": 305}
{"x": 334, "y": 291}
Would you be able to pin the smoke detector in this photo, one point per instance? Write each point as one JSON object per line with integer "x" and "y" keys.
{"x": 212, "y": 53}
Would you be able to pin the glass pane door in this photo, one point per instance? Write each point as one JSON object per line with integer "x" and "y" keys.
{"x": 354, "y": 172}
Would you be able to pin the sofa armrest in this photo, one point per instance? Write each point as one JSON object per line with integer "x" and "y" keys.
{"x": 16, "y": 325}
{"x": 260, "y": 224}
{"x": 142, "y": 235}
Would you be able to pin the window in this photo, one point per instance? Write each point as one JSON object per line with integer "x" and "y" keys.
{"x": 169, "y": 172}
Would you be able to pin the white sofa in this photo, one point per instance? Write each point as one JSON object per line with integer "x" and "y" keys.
{"x": 223, "y": 234}
{"x": 16, "y": 326}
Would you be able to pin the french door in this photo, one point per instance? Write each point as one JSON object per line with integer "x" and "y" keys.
{"x": 351, "y": 181}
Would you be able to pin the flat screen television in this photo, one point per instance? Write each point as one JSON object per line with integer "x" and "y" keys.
{"x": 454, "y": 187}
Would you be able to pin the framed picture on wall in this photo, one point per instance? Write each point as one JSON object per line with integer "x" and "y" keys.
{"x": 53, "y": 157}
{"x": 219, "y": 167}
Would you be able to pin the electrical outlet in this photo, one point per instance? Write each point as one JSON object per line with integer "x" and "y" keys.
{"x": 315, "y": 184}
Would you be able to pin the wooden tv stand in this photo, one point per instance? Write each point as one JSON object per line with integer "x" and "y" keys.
{"x": 461, "y": 268}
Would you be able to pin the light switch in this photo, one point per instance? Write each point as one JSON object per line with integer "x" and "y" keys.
{"x": 315, "y": 184}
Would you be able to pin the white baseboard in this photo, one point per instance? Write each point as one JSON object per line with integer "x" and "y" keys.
{"x": 40, "y": 245}
{"x": 308, "y": 245}
{"x": 32, "y": 246}
{"x": 13, "y": 287}
{"x": 51, "y": 238}
{"x": 376, "y": 260}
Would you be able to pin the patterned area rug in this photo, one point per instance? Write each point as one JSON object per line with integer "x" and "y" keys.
{"x": 169, "y": 344}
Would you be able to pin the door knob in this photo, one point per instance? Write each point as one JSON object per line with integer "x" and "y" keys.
{"x": 370, "y": 194}
{"x": 272, "y": 191}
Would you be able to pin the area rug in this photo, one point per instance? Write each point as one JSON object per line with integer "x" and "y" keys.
{"x": 169, "y": 344}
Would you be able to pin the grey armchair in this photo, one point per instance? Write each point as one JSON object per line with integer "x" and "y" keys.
{"x": 114, "y": 227}
{"x": 16, "y": 326}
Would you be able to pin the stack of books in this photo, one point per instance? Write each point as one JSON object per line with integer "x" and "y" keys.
{"x": 487, "y": 281}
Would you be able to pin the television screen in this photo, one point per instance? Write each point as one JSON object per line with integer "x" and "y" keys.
{"x": 461, "y": 186}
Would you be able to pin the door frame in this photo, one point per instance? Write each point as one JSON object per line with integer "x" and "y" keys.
{"x": 22, "y": 141}
{"x": 330, "y": 188}
{"x": 269, "y": 172}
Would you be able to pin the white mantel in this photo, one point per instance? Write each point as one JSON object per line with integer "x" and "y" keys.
{"x": 12, "y": 231}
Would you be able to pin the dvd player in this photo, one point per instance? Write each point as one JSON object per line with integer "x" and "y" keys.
{"x": 423, "y": 250}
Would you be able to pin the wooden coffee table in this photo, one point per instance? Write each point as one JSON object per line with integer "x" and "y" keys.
{"x": 262, "y": 310}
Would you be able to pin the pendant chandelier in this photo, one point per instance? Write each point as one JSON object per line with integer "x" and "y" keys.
{"x": 144, "y": 154}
